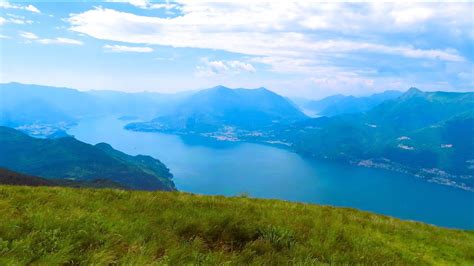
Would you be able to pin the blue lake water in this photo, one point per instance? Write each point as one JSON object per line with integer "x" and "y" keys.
{"x": 223, "y": 168}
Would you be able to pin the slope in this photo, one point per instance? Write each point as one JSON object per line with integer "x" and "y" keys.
{"x": 70, "y": 226}
{"x": 69, "y": 158}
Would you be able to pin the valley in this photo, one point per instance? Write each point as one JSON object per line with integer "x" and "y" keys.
{"x": 157, "y": 132}
{"x": 207, "y": 166}
{"x": 392, "y": 136}
{"x": 395, "y": 149}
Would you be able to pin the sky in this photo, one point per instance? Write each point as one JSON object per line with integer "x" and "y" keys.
{"x": 296, "y": 48}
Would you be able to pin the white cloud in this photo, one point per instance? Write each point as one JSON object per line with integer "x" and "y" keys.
{"x": 412, "y": 16}
{"x": 217, "y": 67}
{"x": 32, "y": 8}
{"x": 343, "y": 81}
{"x": 164, "y": 58}
{"x": 19, "y": 21}
{"x": 332, "y": 45}
{"x": 122, "y": 49}
{"x": 240, "y": 66}
{"x": 15, "y": 20}
{"x": 60, "y": 40}
{"x": 28, "y": 35}
{"x": 262, "y": 29}
{"x": 7, "y": 5}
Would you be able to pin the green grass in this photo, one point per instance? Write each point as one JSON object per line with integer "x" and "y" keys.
{"x": 46, "y": 225}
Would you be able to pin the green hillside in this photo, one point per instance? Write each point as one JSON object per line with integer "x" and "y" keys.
{"x": 68, "y": 158}
{"x": 44, "y": 225}
{"x": 428, "y": 134}
{"x": 8, "y": 177}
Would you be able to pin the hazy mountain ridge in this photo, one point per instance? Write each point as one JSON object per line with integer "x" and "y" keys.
{"x": 44, "y": 111}
{"x": 221, "y": 108}
{"x": 341, "y": 104}
{"x": 68, "y": 158}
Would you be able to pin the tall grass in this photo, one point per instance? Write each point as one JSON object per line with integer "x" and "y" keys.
{"x": 62, "y": 225}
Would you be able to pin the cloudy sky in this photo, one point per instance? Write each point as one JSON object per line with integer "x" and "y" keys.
{"x": 301, "y": 48}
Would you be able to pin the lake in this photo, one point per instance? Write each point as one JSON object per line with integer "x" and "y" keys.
{"x": 226, "y": 168}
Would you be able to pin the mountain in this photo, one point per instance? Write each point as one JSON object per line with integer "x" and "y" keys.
{"x": 68, "y": 158}
{"x": 45, "y": 111}
{"x": 31, "y": 111}
{"x": 42, "y": 225}
{"x": 429, "y": 134}
{"x": 223, "y": 108}
{"x": 416, "y": 109}
{"x": 8, "y": 177}
{"x": 340, "y": 104}
{"x": 56, "y": 101}
{"x": 76, "y": 104}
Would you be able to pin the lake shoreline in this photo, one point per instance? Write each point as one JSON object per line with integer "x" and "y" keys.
{"x": 437, "y": 176}
{"x": 202, "y": 166}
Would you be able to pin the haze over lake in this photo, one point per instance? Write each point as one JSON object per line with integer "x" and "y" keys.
{"x": 229, "y": 168}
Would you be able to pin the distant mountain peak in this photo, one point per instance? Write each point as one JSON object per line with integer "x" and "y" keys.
{"x": 412, "y": 92}
{"x": 263, "y": 90}
{"x": 104, "y": 145}
{"x": 220, "y": 87}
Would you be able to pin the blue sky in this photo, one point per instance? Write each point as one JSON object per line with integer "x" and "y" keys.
{"x": 307, "y": 49}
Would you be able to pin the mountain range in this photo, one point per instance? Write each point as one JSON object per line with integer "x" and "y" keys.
{"x": 222, "y": 108}
{"x": 341, "y": 104}
{"x": 45, "y": 111}
{"x": 429, "y": 134}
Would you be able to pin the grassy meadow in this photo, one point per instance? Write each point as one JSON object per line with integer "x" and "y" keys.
{"x": 54, "y": 225}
